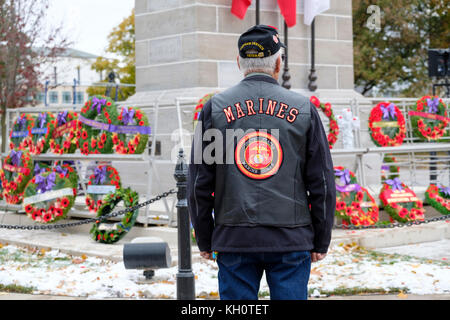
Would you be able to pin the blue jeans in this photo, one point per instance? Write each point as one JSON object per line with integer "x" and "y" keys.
{"x": 287, "y": 275}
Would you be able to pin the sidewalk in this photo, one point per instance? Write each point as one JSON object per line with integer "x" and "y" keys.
{"x": 77, "y": 241}
{"x": 17, "y": 296}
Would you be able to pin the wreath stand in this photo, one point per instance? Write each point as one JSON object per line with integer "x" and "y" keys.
{"x": 148, "y": 157}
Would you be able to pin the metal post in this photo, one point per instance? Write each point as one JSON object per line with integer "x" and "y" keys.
{"x": 74, "y": 91}
{"x": 286, "y": 75}
{"x": 433, "y": 167}
{"x": 257, "y": 12}
{"x": 46, "y": 93}
{"x": 312, "y": 85}
{"x": 185, "y": 276}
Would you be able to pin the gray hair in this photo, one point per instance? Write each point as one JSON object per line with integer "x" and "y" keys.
{"x": 265, "y": 65}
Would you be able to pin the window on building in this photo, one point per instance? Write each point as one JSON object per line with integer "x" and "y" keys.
{"x": 53, "y": 97}
{"x": 40, "y": 97}
{"x": 67, "y": 97}
{"x": 80, "y": 97}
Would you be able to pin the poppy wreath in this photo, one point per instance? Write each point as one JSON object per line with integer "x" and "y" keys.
{"x": 199, "y": 107}
{"x": 438, "y": 196}
{"x": 48, "y": 197}
{"x": 41, "y": 132}
{"x": 131, "y": 136}
{"x": 333, "y": 125}
{"x": 97, "y": 116}
{"x": 387, "y": 125}
{"x": 20, "y": 135}
{"x": 105, "y": 179}
{"x": 64, "y": 170}
{"x": 354, "y": 204}
{"x": 389, "y": 171}
{"x": 112, "y": 233}
{"x": 429, "y": 118}
{"x": 65, "y": 133}
{"x": 400, "y": 202}
{"x": 17, "y": 171}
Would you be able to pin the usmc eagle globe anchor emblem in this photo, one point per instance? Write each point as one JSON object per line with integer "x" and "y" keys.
{"x": 259, "y": 155}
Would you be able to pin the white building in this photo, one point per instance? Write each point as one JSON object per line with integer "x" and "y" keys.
{"x": 70, "y": 73}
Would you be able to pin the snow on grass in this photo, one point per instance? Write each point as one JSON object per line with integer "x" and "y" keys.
{"x": 346, "y": 267}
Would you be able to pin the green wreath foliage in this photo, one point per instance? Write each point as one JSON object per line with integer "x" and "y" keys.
{"x": 439, "y": 198}
{"x": 401, "y": 211}
{"x": 134, "y": 142}
{"x": 103, "y": 176}
{"x": 429, "y": 123}
{"x": 17, "y": 172}
{"x": 20, "y": 134}
{"x": 112, "y": 233}
{"x": 65, "y": 133}
{"x": 41, "y": 132}
{"x": 53, "y": 209}
{"x": 97, "y": 115}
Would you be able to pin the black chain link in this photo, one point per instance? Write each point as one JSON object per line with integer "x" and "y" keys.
{"x": 392, "y": 225}
{"x": 89, "y": 220}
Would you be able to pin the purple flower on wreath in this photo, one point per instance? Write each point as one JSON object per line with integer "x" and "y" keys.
{"x": 444, "y": 190}
{"x": 15, "y": 157}
{"x": 433, "y": 105}
{"x": 100, "y": 175}
{"x": 396, "y": 184}
{"x": 98, "y": 103}
{"x": 21, "y": 122}
{"x": 344, "y": 176}
{"x": 389, "y": 111}
{"x": 127, "y": 115}
{"x": 42, "y": 119}
{"x": 45, "y": 184}
{"x": 62, "y": 118}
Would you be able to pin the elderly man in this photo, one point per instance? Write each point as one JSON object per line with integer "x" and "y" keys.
{"x": 266, "y": 203}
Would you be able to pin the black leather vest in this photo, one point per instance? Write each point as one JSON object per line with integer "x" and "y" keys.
{"x": 264, "y": 129}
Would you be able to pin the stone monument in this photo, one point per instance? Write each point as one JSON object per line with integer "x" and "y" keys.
{"x": 188, "y": 48}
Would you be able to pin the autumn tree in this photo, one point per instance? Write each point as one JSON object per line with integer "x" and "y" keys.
{"x": 23, "y": 30}
{"x": 393, "y": 59}
{"x": 122, "y": 47}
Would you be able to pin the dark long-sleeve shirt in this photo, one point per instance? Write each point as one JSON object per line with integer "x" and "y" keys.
{"x": 318, "y": 177}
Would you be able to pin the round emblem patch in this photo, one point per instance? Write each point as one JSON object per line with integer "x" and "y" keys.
{"x": 259, "y": 155}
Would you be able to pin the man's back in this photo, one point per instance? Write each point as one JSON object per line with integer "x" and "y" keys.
{"x": 265, "y": 128}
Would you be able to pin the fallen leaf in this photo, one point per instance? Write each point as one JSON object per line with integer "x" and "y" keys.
{"x": 77, "y": 261}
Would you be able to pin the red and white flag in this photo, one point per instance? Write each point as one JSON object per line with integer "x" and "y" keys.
{"x": 239, "y": 7}
{"x": 313, "y": 8}
{"x": 288, "y": 9}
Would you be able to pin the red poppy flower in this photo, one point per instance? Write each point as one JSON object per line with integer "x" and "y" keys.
{"x": 402, "y": 213}
{"x": 35, "y": 215}
{"x": 47, "y": 217}
{"x": 84, "y": 135}
{"x": 59, "y": 212}
{"x": 65, "y": 202}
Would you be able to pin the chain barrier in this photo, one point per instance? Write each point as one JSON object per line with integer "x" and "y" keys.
{"x": 89, "y": 220}
{"x": 166, "y": 194}
{"x": 392, "y": 225}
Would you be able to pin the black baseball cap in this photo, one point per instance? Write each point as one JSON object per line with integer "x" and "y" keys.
{"x": 260, "y": 41}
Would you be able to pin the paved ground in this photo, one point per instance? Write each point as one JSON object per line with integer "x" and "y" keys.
{"x": 16, "y": 296}
{"x": 431, "y": 240}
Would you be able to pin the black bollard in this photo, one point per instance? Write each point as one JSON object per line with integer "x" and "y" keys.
{"x": 185, "y": 276}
